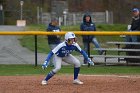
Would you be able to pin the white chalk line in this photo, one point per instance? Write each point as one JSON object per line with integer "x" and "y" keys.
{"x": 120, "y": 76}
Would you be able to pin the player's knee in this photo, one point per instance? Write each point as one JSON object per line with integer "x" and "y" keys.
{"x": 77, "y": 63}
{"x": 57, "y": 69}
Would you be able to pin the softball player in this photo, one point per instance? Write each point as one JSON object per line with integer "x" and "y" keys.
{"x": 62, "y": 52}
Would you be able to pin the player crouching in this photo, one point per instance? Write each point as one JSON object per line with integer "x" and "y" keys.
{"x": 62, "y": 52}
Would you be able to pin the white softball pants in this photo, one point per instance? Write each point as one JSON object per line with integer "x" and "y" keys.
{"x": 70, "y": 59}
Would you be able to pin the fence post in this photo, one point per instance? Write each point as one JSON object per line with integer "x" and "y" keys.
{"x": 88, "y": 49}
{"x": 107, "y": 16}
{"x": 38, "y": 15}
{"x": 35, "y": 50}
{"x": 1, "y": 15}
{"x": 74, "y": 19}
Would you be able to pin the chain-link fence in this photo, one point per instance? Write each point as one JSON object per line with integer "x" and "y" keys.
{"x": 77, "y": 18}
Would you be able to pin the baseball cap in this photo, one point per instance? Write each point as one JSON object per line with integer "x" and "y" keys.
{"x": 54, "y": 19}
{"x": 135, "y": 10}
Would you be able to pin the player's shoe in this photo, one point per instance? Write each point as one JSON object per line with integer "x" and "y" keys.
{"x": 84, "y": 64}
{"x": 77, "y": 81}
{"x": 44, "y": 82}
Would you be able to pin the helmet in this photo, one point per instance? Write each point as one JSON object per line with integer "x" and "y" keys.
{"x": 69, "y": 35}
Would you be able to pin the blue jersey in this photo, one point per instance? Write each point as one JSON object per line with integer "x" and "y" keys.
{"x": 63, "y": 49}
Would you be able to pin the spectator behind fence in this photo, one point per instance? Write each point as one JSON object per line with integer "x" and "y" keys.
{"x": 53, "y": 40}
{"x": 135, "y": 25}
{"x": 88, "y": 25}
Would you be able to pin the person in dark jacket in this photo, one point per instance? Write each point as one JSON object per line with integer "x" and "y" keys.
{"x": 135, "y": 25}
{"x": 53, "y": 40}
{"x": 88, "y": 25}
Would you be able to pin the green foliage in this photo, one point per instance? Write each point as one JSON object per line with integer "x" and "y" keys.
{"x": 12, "y": 10}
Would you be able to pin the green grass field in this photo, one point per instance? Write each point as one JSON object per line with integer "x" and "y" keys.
{"x": 13, "y": 70}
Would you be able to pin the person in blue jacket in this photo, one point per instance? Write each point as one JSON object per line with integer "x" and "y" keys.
{"x": 62, "y": 52}
{"x": 88, "y": 25}
{"x": 53, "y": 40}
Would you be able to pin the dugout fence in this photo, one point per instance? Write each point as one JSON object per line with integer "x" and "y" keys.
{"x": 108, "y": 35}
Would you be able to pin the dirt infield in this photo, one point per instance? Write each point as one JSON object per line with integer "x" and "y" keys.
{"x": 63, "y": 84}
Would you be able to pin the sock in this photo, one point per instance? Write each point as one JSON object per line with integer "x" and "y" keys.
{"x": 76, "y": 72}
{"x": 50, "y": 74}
